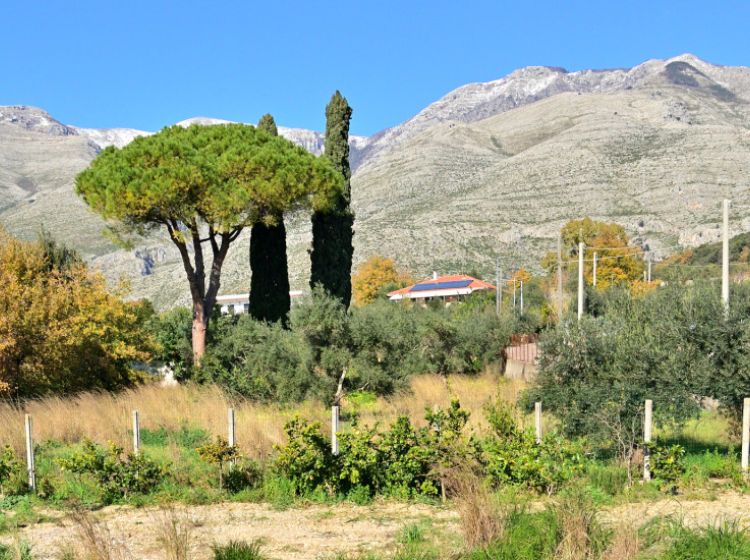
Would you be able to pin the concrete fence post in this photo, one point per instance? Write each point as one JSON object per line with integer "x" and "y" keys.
{"x": 30, "y": 464}
{"x": 136, "y": 433}
{"x": 746, "y": 436}
{"x": 647, "y": 420}
{"x": 538, "y": 421}
{"x": 334, "y": 430}
{"x": 231, "y": 431}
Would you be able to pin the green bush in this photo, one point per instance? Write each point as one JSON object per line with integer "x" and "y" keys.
{"x": 306, "y": 459}
{"x": 119, "y": 476}
{"x": 237, "y": 550}
{"x": 11, "y": 473}
{"x": 511, "y": 455}
{"x": 667, "y": 463}
{"x": 407, "y": 461}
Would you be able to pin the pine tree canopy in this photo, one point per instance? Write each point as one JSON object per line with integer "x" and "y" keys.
{"x": 267, "y": 123}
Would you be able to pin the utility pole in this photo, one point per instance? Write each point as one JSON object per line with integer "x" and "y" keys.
{"x": 580, "y": 280}
{"x": 594, "y": 271}
{"x": 648, "y": 262}
{"x": 498, "y": 290}
{"x": 725, "y": 260}
{"x": 559, "y": 278}
{"x": 514, "y": 294}
{"x": 521, "y": 297}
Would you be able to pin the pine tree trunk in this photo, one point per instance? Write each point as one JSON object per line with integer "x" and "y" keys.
{"x": 200, "y": 328}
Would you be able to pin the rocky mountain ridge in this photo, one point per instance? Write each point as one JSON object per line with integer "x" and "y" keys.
{"x": 490, "y": 170}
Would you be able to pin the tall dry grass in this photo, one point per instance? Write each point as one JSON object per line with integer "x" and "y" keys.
{"x": 104, "y": 417}
{"x": 94, "y": 541}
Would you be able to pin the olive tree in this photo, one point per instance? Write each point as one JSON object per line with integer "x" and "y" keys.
{"x": 204, "y": 185}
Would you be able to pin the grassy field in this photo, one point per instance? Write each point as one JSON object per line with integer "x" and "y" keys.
{"x": 597, "y": 516}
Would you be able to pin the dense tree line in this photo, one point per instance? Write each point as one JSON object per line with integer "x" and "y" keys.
{"x": 377, "y": 347}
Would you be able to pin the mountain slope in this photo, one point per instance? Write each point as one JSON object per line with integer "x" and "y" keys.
{"x": 489, "y": 170}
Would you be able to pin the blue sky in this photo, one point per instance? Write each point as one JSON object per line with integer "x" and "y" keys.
{"x": 148, "y": 64}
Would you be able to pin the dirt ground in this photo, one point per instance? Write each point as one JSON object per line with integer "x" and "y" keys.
{"x": 319, "y": 531}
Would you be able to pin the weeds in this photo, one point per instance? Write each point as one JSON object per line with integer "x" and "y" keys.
{"x": 94, "y": 540}
{"x": 237, "y": 550}
{"x": 174, "y": 534}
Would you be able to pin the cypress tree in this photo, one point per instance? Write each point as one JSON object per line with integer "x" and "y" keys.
{"x": 333, "y": 231}
{"x": 269, "y": 280}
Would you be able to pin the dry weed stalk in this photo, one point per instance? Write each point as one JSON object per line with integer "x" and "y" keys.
{"x": 577, "y": 525}
{"x": 482, "y": 518}
{"x": 174, "y": 530}
{"x": 625, "y": 545}
{"x": 95, "y": 542}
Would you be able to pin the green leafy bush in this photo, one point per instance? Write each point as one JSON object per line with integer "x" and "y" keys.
{"x": 11, "y": 471}
{"x": 667, "y": 463}
{"x": 118, "y": 475}
{"x": 218, "y": 453}
{"x": 511, "y": 455}
{"x": 306, "y": 459}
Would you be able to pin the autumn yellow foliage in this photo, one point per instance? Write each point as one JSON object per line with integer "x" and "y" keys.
{"x": 62, "y": 330}
{"x": 374, "y": 275}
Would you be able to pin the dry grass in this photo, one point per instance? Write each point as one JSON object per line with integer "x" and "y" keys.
{"x": 578, "y": 527}
{"x": 104, "y": 417}
{"x": 175, "y": 534}
{"x": 94, "y": 541}
{"x": 482, "y": 518}
{"x": 625, "y": 545}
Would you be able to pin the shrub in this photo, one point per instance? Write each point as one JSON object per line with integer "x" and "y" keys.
{"x": 667, "y": 463}
{"x": 237, "y": 550}
{"x": 10, "y": 473}
{"x": 512, "y": 456}
{"x": 119, "y": 476}
{"x": 358, "y": 464}
{"x": 306, "y": 459}
{"x": 218, "y": 453}
{"x": 406, "y": 461}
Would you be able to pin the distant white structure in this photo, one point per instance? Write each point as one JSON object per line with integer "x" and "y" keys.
{"x": 234, "y": 304}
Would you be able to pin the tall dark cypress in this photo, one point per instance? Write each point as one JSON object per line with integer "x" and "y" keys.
{"x": 269, "y": 280}
{"x": 333, "y": 231}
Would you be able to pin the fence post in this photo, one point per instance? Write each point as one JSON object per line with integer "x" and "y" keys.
{"x": 30, "y": 465}
{"x": 231, "y": 431}
{"x": 538, "y": 418}
{"x": 334, "y": 430}
{"x": 136, "y": 433}
{"x": 647, "y": 419}
{"x": 746, "y": 436}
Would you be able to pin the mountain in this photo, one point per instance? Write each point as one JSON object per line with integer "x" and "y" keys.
{"x": 490, "y": 170}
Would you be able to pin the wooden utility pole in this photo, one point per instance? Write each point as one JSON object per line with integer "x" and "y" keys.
{"x": 521, "y": 302}
{"x": 648, "y": 264}
{"x": 231, "y": 431}
{"x": 725, "y": 259}
{"x": 647, "y": 420}
{"x": 559, "y": 278}
{"x": 593, "y": 277}
{"x": 580, "y": 279}
{"x": 514, "y": 294}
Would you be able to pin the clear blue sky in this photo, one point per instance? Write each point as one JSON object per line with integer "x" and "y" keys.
{"x": 148, "y": 64}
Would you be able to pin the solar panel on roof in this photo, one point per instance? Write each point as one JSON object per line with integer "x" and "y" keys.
{"x": 440, "y": 285}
